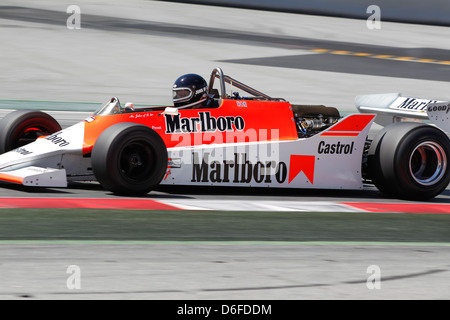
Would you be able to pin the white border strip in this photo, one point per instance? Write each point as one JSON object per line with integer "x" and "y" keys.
{"x": 258, "y": 205}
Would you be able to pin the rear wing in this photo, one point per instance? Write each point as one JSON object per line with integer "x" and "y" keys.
{"x": 393, "y": 107}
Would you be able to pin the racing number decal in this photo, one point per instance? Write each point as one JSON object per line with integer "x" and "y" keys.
{"x": 242, "y": 104}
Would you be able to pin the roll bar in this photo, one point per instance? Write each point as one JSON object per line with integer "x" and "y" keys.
{"x": 218, "y": 73}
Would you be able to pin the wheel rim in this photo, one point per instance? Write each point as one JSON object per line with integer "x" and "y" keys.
{"x": 30, "y": 134}
{"x": 136, "y": 161}
{"x": 428, "y": 163}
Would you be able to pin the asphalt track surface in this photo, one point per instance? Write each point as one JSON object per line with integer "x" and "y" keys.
{"x": 220, "y": 254}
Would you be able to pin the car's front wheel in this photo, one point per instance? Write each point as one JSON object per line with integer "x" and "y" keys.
{"x": 129, "y": 159}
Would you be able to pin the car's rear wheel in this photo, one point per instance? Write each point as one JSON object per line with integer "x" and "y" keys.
{"x": 129, "y": 159}
{"x": 24, "y": 126}
{"x": 410, "y": 161}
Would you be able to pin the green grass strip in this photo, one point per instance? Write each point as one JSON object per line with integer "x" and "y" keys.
{"x": 221, "y": 226}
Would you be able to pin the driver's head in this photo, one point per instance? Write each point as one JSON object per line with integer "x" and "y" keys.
{"x": 189, "y": 90}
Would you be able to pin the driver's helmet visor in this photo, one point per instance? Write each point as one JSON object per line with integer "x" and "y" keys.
{"x": 182, "y": 94}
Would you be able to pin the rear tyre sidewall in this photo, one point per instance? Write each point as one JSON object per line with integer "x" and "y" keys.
{"x": 390, "y": 160}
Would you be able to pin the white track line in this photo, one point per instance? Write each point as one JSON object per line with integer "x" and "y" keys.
{"x": 253, "y": 205}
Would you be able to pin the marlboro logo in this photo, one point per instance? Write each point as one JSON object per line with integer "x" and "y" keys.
{"x": 240, "y": 169}
{"x": 203, "y": 123}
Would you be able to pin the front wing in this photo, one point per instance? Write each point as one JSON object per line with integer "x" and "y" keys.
{"x": 36, "y": 177}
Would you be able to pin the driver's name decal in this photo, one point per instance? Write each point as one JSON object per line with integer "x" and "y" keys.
{"x": 203, "y": 123}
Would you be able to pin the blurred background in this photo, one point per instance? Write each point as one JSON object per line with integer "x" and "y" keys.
{"x": 136, "y": 49}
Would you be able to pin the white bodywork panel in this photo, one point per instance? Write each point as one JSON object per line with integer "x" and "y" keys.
{"x": 47, "y": 161}
{"x": 328, "y": 160}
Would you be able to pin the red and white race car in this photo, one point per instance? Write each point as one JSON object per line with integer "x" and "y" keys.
{"x": 252, "y": 141}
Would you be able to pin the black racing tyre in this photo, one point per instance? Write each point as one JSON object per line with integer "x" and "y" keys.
{"x": 21, "y": 127}
{"x": 410, "y": 161}
{"x": 129, "y": 159}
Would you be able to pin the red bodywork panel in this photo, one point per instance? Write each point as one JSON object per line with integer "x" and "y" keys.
{"x": 233, "y": 121}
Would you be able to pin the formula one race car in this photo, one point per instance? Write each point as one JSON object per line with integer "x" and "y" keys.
{"x": 253, "y": 141}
